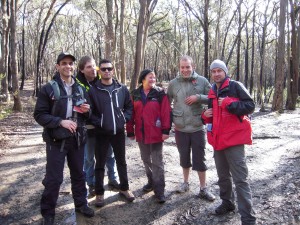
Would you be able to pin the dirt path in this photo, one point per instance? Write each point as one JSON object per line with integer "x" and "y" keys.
{"x": 273, "y": 161}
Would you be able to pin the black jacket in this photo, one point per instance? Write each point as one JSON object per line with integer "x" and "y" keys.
{"x": 43, "y": 109}
{"x": 110, "y": 111}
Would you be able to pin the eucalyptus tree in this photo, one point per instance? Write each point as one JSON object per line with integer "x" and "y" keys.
{"x": 280, "y": 65}
{"x": 13, "y": 56}
{"x": 293, "y": 81}
{"x": 201, "y": 15}
{"x": 146, "y": 9}
{"x": 4, "y": 51}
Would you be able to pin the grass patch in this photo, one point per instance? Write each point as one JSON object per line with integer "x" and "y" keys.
{"x": 5, "y": 110}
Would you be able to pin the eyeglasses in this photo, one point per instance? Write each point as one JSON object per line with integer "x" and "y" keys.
{"x": 106, "y": 68}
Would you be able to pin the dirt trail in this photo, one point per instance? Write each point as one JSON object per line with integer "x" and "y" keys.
{"x": 273, "y": 161}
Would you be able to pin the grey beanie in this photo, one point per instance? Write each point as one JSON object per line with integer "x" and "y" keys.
{"x": 219, "y": 64}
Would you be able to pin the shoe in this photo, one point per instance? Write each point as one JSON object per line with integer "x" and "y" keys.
{"x": 99, "y": 201}
{"x": 183, "y": 187}
{"x": 205, "y": 194}
{"x": 113, "y": 184}
{"x": 91, "y": 191}
{"x": 161, "y": 199}
{"x": 148, "y": 187}
{"x": 85, "y": 210}
{"x": 48, "y": 220}
{"x": 128, "y": 195}
{"x": 224, "y": 208}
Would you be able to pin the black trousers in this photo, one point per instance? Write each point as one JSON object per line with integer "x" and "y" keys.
{"x": 54, "y": 175}
{"x": 118, "y": 144}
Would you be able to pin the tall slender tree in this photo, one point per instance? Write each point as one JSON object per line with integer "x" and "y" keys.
{"x": 13, "y": 56}
{"x": 279, "y": 73}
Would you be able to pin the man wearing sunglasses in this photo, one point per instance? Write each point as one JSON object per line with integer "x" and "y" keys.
{"x": 111, "y": 109}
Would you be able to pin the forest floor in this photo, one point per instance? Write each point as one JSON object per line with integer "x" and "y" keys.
{"x": 273, "y": 162}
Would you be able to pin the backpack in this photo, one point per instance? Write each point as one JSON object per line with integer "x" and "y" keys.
{"x": 57, "y": 96}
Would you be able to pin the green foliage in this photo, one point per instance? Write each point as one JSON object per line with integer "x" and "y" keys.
{"x": 5, "y": 110}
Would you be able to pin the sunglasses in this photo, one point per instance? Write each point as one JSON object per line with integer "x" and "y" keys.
{"x": 106, "y": 68}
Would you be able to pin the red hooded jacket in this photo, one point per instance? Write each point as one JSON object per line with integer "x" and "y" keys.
{"x": 230, "y": 122}
{"x": 150, "y": 119}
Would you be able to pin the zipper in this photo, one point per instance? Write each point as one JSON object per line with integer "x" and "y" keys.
{"x": 112, "y": 106}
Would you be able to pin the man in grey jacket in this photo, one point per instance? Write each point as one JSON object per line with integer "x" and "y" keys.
{"x": 188, "y": 92}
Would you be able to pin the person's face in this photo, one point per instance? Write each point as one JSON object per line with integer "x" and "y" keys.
{"x": 186, "y": 68}
{"x": 218, "y": 75}
{"x": 149, "y": 80}
{"x": 66, "y": 67}
{"x": 106, "y": 71}
{"x": 89, "y": 70}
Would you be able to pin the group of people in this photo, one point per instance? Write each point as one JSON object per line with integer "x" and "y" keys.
{"x": 86, "y": 125}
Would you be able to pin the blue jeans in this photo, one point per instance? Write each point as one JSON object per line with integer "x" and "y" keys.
{"x": 89, "y": 160}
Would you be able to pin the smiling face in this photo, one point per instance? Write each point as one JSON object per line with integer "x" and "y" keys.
{"x": 186, "y": 68}
{"x": 66, "y": 67}
{"x": 218, "y": 75}
{"x": 149, "y": 81}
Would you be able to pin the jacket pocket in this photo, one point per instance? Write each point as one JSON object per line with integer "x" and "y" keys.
{"x": 178, "y": 118}
{"x": 196, "y": 119}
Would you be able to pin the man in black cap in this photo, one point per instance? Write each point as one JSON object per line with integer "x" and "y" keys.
{"x": 61, "y": 109}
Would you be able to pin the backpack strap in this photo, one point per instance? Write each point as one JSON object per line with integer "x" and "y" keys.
{"x": 55, "y": 88}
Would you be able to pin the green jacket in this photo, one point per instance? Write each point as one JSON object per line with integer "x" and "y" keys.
{"x": 188, "y": 118}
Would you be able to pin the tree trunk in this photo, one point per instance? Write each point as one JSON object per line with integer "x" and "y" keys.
{"x": 279, "y": 73}
{"x": 122, "y": 43}
{"x": 253, "y": 51}
{"x": 247, "y": 58}
{"x": 14, "y": 62}
{"x": 109, "y": 31}
{"x": 4, "y": 53}
{"x": 294, "y": 73}
{"x": 238, "y": 48}
{"x": 146, "y": 8}
{"x": 23, "y": 49}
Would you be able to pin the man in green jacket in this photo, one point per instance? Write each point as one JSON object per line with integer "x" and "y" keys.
{"x": 188, "y": 92}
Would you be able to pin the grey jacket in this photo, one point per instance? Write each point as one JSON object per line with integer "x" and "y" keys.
{"x": 188, "y": 118}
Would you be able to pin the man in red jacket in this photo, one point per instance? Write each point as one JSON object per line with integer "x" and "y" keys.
{"x": 228, "y": 130}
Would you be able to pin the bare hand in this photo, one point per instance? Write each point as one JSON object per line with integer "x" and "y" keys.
{"x": 208, "y": 112}
{"x": 220, "y": 100}
{"x": 69, "y": 124}
{"x": 132, "y": 137}
{"x": 85, "y": 107}
{"x": 191, "y": 99}
{"x": 164, "y": 137}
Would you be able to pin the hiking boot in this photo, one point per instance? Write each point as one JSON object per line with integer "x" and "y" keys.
{"x": 224, "y": 208}
{"x": 161, "y": 199}
{"x": 183, "y": 187}
{"x": 128, "y": 195}
{"x": 91, "y": 191}
{"x": 148, "y": 187}
{"x": 99, "y": 202}
{"x": 85, "y": 210}
{"x": 48, "y": 220}
{"x": 113, "y": 184}
{"x": 205, "y": 194}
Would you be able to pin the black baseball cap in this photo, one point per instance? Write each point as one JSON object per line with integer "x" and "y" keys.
{"x": 63, "y": 55}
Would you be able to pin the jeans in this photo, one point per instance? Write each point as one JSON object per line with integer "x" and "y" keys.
{"x": 118, "y": 144}
{"x": 89, "y": 160}
{"x": 231, "y": 165}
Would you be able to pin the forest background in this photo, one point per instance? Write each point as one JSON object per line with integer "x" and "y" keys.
{"x": 259, "y": 40}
